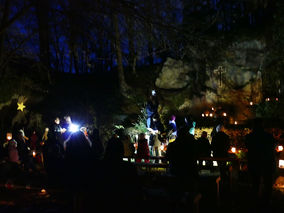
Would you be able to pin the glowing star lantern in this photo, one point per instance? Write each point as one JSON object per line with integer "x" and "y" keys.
{"x": 9, "y": 136}
{"x": 21, "y": 106}
{"x": 74, "y": 128}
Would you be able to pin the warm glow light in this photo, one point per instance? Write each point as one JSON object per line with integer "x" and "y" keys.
{"x": 224, "y": 114}
{"x": 279, "y": 148}
{"x": 251, "y": 103}
{"x": 9, "y": 136}
{"x": 236, "y": 122}
{"x": 212, "y": 108}
{"x": 43, "y": 191}
{"x": 211, "y": 115}
{"x": 233, "y": 149}
{"x": 202, "y": 115}
{"x": 276, "y": 99}
{"x": 281, "y": 164}
{"x": 267, "y": 99}
{"x": 206, "y": 114}
{"x": 34, "y": 153}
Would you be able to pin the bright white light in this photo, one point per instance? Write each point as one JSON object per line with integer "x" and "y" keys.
{"x": 211, "y": 115}
{"x": 215, "y": 163}
{"x": 233, "y": 149}
{"x": 280, "y": 148}
{"x": 9, "y": 137}
{"x": 281, "y": 164}
{"x": 236, "y": 122}
{"x": 251, "y": 103}
{"x": 212, "y": 108}
{"x": 203, "y": 163}
{"x": 74, "y": 128}
{"x": 202, "y": 115}
{"x": 153, "y": 92}
{"x": 224, "y": 114}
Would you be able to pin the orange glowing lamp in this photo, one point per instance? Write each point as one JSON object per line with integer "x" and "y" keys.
{"x": 34, "y": 154}
{"x": 9, "y": 136}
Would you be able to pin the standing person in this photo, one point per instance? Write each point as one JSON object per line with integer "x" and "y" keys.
{"x": 261, "y": 159}
{"x": 151, "y": 109}
{"x": 220, "y": 145}
{"x": 114, "y": 150}
{"x": 23, "y": 150}
{"x": 172, "y": 128}
{"x": 143, "y": 149}
{"x": 155, "y": 129}
{"x": 204, "y": 147}
{"x": 56, "y": 136}
{"x": 127, "y": 145}
{"x": 33, "y": 141}
{"x": 181, "y": 155}
{"x": 13, "y": 154}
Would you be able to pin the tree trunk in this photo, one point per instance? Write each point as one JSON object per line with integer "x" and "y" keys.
{"x": 42, "y": 10}
{"x": 73, "y": 34}
{"x": 122, "y": 83}
{"x": 132, "y": 52}
{"x": 150, "y": 33}
{"x": 4, "y": 20}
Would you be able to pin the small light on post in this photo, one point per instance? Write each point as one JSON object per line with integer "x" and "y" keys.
{"x": 233, "y": 149}
{"x": 281, "y": 164}
{"x": 279, "y": 148}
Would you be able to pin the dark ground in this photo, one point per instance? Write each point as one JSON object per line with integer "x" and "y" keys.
{"x": 158, "y": 192}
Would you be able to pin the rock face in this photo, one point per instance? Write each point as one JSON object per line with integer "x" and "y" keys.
{"x": 236, "y": 81}
{"x": 174, "y": 75}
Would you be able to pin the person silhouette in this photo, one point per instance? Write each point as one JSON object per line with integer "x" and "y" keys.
{"x": 261, "y": 160}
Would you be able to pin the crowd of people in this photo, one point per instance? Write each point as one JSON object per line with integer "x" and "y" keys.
{"x": 72, "y": 157}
